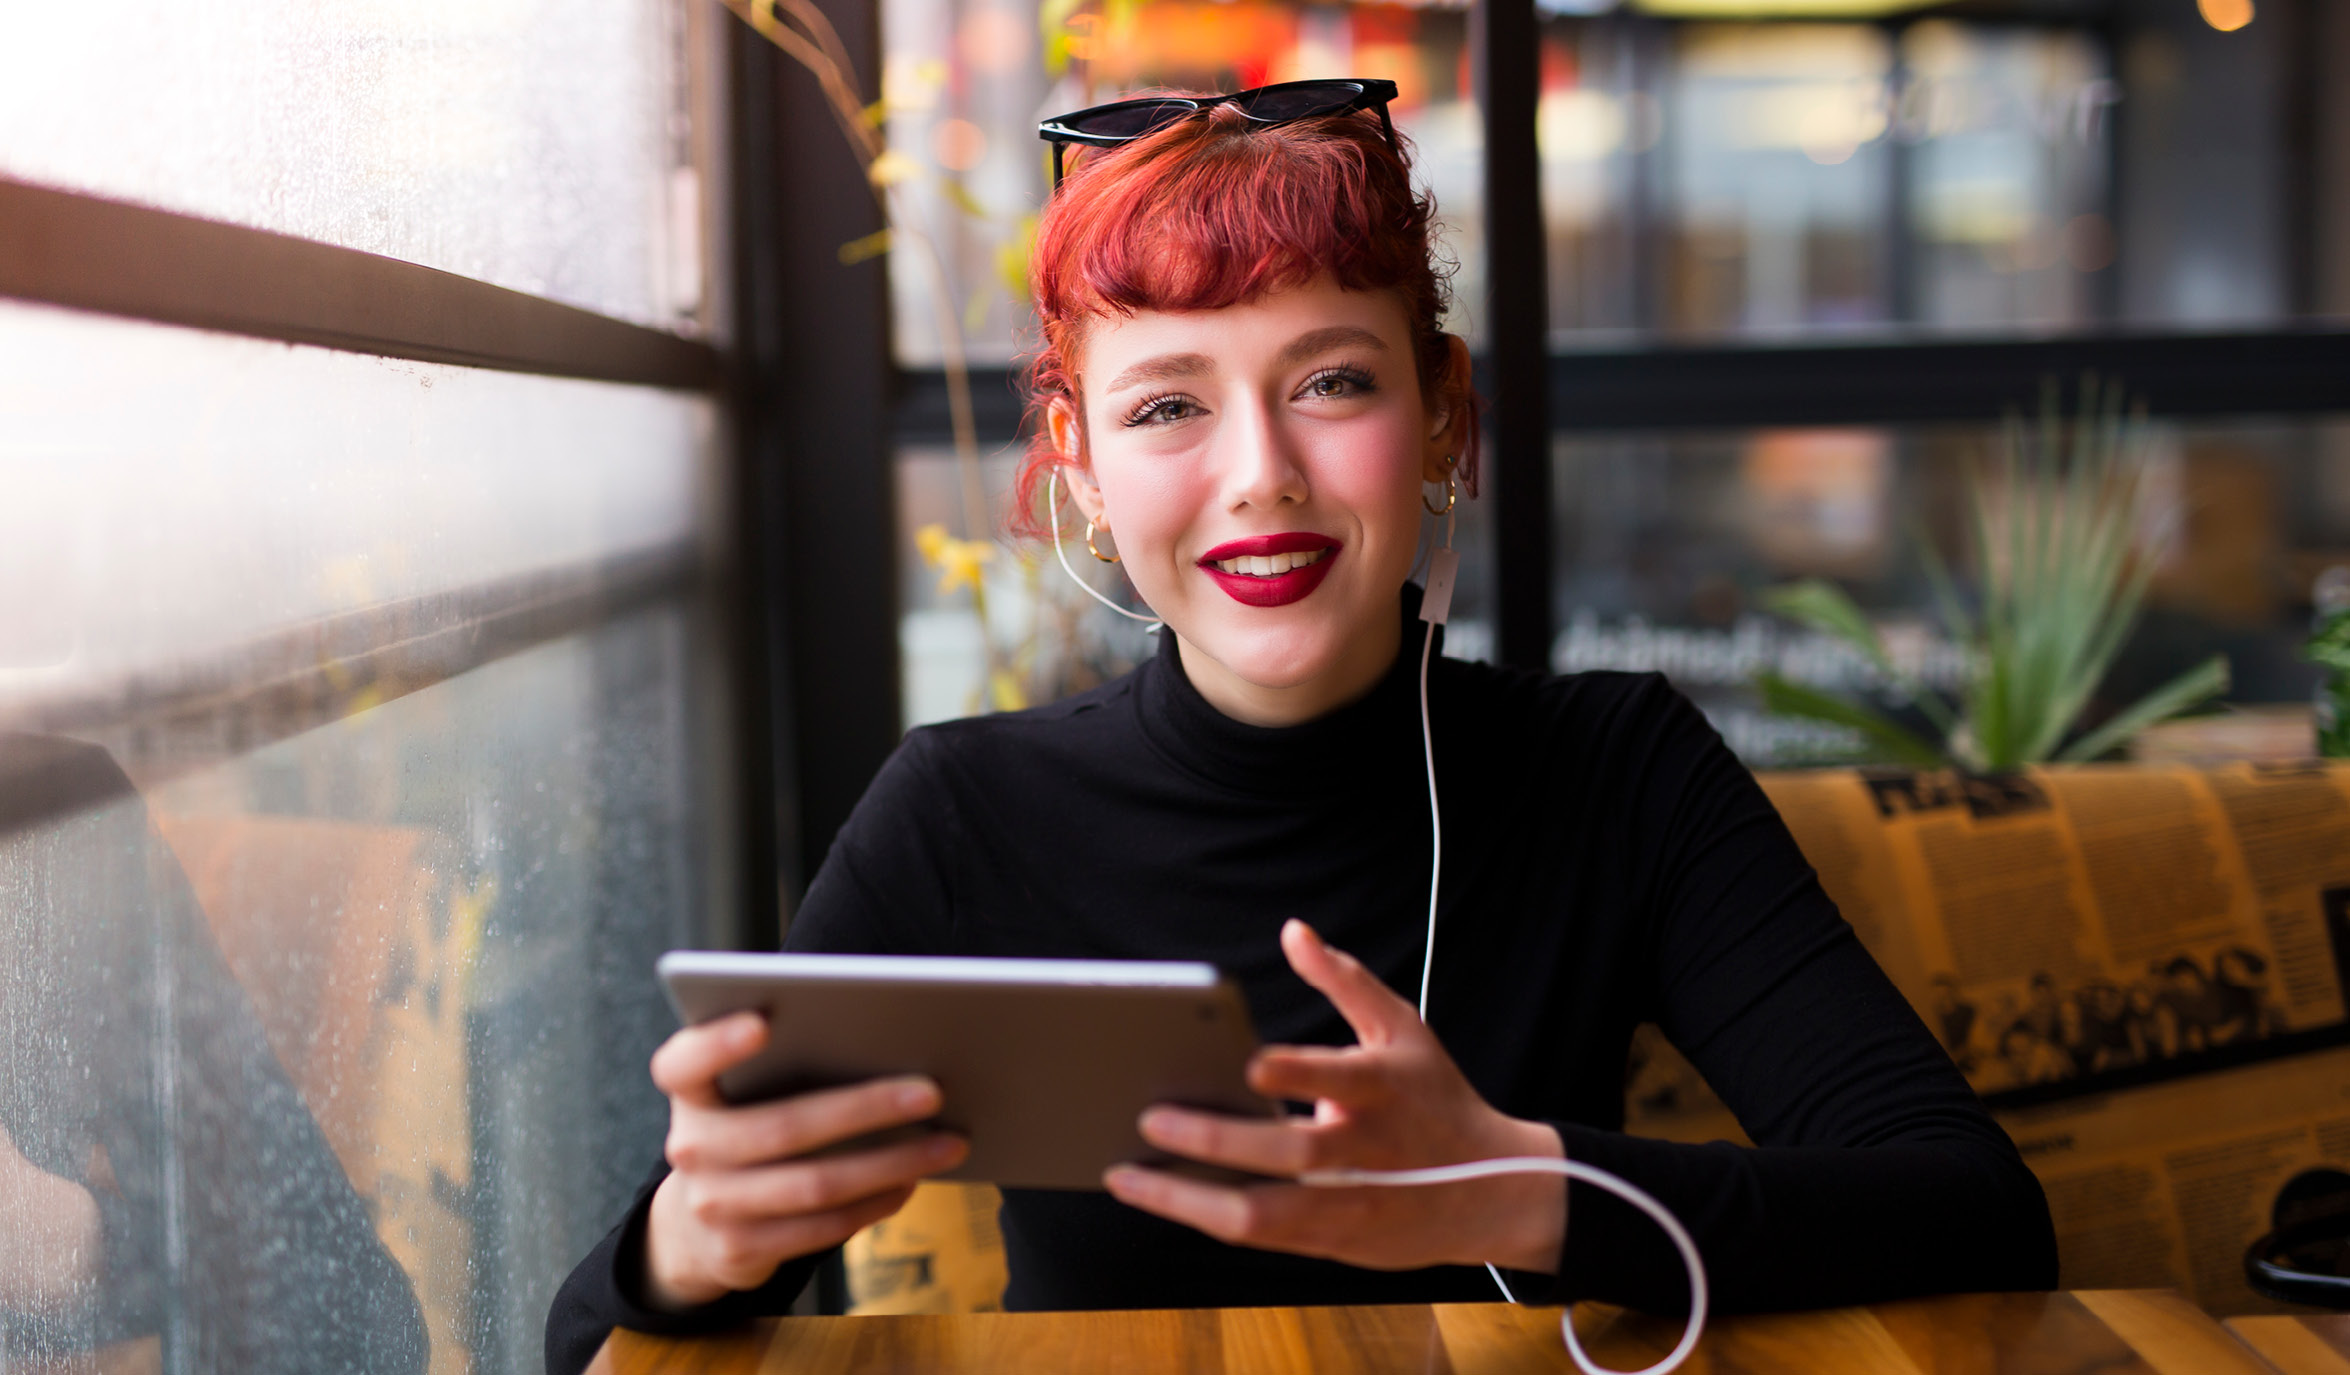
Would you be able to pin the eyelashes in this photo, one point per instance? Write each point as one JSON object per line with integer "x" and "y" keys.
{"x": 1328, "y": 384}
{"x": 1359, "y": 379}
{"x": 1160, "y": 409}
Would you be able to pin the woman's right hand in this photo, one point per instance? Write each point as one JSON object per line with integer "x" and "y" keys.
{"x": 742, "y": 1196}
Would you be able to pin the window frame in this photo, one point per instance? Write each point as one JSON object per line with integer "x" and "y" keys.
{"x": 92, "y": 253}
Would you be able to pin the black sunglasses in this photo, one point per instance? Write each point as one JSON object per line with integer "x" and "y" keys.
{"x": 1107, "y": 126}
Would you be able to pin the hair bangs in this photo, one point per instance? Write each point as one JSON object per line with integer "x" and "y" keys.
{"x": 1252, "y": 213}
{"x": 1220, "y": 211}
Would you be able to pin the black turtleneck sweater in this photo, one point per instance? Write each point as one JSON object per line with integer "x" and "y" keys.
{"x": 1607, "y": 862}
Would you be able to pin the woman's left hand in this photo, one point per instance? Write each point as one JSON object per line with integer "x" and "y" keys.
{"x": 1393, "y": 1101}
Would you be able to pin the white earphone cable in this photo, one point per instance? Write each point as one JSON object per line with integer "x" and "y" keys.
{"x": 1052, "y": 508}
{"x": 1435, "y": 608}
{"x": 1569, "y": 1169}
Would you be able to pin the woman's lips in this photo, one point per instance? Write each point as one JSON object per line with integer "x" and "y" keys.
{"x": 1271, "y": 570}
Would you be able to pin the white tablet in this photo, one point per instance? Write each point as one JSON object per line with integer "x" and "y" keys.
{"x": 1044, "y": 1065}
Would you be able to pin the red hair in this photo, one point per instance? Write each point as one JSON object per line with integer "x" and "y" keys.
{"x": 1215, "y": 211}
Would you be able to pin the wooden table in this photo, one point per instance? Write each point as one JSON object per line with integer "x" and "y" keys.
{"x": 2318, "y": 1345}
{"x": 2110, "y": 1332}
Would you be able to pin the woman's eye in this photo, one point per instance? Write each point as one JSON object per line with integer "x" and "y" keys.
{"x": 1336, "y": 383}
{"x": 1163, "y": 410}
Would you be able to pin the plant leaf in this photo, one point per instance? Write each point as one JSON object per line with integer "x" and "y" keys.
{"x": 873, "y": 245}
{"x": 1954, "y": 612}
{"x": 1822, "y": 605}
{"x": 1899, "y": 744}
{"x": 2205, "y": 680}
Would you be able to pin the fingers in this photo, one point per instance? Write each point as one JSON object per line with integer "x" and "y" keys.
{"x": 688, "y": 1064}
{"x": 1346, "y": 1075}
{"x": 733, "y": 1201}
{"x": 729, "y": 1138}
{"x": 685, "y": 1271}
{"x": 1284, "y": 1217}
{"x": 1369, "y": 1006}
{"x": 800, "y": 1236}
{"x": 1271, "y": 1148}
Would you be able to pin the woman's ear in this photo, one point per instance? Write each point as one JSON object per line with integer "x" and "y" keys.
{"x": 1448, "y": 404}
{"x": 1063, "y": 428}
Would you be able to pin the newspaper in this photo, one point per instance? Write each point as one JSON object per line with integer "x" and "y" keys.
{"x": 2167, "y": 1185}
{"x": 2156, "y": 1187}
{"x": 2074, "y": 923}
{"x": 2102, "y": 949}
{"x": 941, "y": 1253}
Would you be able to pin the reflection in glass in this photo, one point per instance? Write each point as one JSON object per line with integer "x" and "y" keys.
{"x": 162, "y": 1186}
{"x": 345, "y": 1037}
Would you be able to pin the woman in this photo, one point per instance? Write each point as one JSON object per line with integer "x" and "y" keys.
{"x": 1243, "y": 383}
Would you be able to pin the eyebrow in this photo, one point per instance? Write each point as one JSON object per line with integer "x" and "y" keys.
{"x": 1168, "y": 367}
{"x": 1332, "y": 337}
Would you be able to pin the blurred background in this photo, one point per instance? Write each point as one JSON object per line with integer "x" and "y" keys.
{"x": 485, "y": 484}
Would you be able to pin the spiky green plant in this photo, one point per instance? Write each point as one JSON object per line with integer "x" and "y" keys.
{"x": 2062, "y": 579}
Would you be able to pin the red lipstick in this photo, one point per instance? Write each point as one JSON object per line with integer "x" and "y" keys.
{"x": 1277, "y": 589}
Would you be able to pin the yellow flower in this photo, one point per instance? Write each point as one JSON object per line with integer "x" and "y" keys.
{"x": 957, "y": 560}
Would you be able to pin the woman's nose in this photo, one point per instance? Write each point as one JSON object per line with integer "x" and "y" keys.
{"x": 1260, "y": 467}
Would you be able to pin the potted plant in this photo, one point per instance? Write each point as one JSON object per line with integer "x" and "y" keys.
{"x": 2061, "y": 567}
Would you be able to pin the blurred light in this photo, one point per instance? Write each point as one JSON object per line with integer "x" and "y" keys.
{"x": 1987, "y": 211}
{"x": 1580, "y": 125}
{"x": 2226, "y": 15}
{"x": 994, "y": 41}
{"x": 1828, "y": 120}
{"x": 1785, "y": 9}
{"x": 958, "y": 144}
{"x": 2037, "y": 248}
{"x": 1815, "y": 500}
{"x": 909, "y": 83}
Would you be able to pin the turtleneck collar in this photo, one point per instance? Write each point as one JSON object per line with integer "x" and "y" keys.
{"x": 1372, "y": 735}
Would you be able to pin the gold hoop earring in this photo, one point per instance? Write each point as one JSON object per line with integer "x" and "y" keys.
{"x": 1110, "y": 558}
{"x": 1452, "y": 494}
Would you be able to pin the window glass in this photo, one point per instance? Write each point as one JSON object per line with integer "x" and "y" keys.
{"x": 965, "y": 82}
{"x": 173, "y": 492}
{"x": 1667, "y": 542}
{"x": 534, "y": 144}
{"x": 357, "y": 727}
{"x": 1715, "y": 178}
{"x": 337, "y": 1047}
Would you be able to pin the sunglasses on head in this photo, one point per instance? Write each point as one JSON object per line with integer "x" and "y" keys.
{"x": 1107, "y": 126}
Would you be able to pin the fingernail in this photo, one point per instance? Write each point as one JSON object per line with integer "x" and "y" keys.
{"x": 742, "y": 1031}
{"x": 946, "y": 1148}
{"x": 919, "y": 1096}
{"x": 1162, "y": 1128}
{"x": 1121, "y": 1179}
